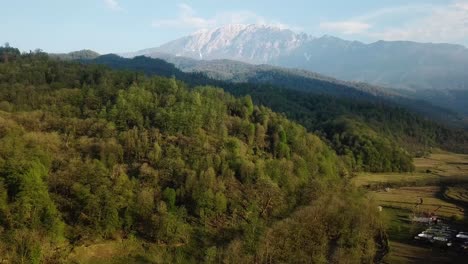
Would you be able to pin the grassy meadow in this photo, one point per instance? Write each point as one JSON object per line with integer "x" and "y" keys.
{"x": 440, "y": 182}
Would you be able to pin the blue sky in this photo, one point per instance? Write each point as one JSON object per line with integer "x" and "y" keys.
{"x": 128, "y": 25}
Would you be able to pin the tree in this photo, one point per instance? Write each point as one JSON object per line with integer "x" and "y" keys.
{"x": 169, "y": 196}
{"x": 220, "y": 203}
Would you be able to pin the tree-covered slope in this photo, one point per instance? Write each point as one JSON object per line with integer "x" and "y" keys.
{"x": 453, "y": 99}
{"x": 311, "y": 82}
{"x": 446, "y": 105}
{"x": 387, "y": 132}
{"x": 76, "y": 55}
{"x": 189, "y": 175}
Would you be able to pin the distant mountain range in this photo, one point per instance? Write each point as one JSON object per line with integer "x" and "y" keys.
{"x": 398, "y": 64}
{"x": 433, "y": 72}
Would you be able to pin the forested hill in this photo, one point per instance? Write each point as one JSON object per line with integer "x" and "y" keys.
{"x": 302, "y": 80}
{"x": 183, "y": 175}
{"x": 373, "y": 134}
{"x": 294, "y": 79}
{"x": 76, "y": 55}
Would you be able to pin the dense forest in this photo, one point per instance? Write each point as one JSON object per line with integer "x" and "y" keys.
{"x": 311, "y": 82}
{"x": 185, "y": 175}
{"x": 370, "y": 134}
{"x": 374, "y": 137}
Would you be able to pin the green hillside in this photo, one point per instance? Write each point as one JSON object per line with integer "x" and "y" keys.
{"x": 76, "y": 55}
{"x": 444, "y": 106}
{"x": 89, "y": 155}
{"x": 371, "y": 133}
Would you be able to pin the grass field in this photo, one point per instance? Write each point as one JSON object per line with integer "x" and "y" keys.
{"x": 110, "y": 252}
{"x": 408, "y": 198}
{"x": 96, "y": 253}
{"x": 123, "y": 251}
{"x": 441, "y": 167}
{"x": 458, "y": 193}
{"x": 440, "y": 181}
{"x": 401, "y": 253}
{"x": 444, "y": 164}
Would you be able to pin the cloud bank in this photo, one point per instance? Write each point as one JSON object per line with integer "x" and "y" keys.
{"x": 188, "y": 18}
{"x": 424, "y": 23}
{"x": 113, "y": 5}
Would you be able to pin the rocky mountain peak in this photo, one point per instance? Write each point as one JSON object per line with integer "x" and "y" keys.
{"x": 252, "y": 43}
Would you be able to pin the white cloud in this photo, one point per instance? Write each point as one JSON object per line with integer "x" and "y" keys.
{"x": 462, "y": 5}
{"x": 113, "y": 5}
{"x": 346, "y": 27}
{"x": 188, "y": 18}
{"x": 408, "y": 10}
{"x": 425, "y": 23}
{"x": 442, "y": 24}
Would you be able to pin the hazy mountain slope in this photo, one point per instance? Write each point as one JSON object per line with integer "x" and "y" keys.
{"x": 302, "y": 80}
{"x": 327, "y": 114}
{"x": 76, "y": 55}
{"x": 456, "y": 100}
{"x": 139, "y": 64}
{"x": 237, "y": 72}
{"x": 398, "y": 64}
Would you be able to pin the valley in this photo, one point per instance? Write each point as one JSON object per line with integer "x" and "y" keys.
{"x": 438, "y": 186}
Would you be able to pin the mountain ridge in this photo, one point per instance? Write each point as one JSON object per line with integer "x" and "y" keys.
{"x": 202, "y": 43}
{"x": 397, "y": 64}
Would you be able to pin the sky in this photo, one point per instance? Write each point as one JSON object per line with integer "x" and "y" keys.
{"x": 113, "y": 26}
